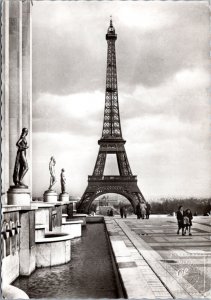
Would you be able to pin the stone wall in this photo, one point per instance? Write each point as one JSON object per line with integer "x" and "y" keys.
{"x": 18, "y": 242}
{"x": 10, "y": 239}
{"x": 27, "y": 242}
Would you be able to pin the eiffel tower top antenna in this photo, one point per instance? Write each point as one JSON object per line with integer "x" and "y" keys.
{"x": 111, "y": 20}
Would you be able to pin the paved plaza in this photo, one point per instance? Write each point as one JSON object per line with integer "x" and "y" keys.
{"x": 155, "y": 262}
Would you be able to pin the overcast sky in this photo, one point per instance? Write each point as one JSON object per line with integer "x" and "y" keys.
{"x": 163, "y": 81}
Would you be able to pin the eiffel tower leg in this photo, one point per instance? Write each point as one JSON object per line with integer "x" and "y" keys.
{"x": 134, "y": 195}
{"x": 141, "y": 197}
{"x": 85, "y": 202}
{"x": 100, "y": 164}
{"x": 123, "y": 164}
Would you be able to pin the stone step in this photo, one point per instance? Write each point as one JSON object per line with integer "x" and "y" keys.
{"x": 39, "y": 231}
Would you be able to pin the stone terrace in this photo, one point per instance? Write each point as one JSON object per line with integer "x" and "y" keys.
{"x": 155, "y": 262}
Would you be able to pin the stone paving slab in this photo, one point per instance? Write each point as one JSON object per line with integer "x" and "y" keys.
{"x": 165, "y": 273}
{"x": 120, "y": 248}
{"x": 168, "y": 257}
{"x": 138, "y": 278}
{"x": 180, "y": 257}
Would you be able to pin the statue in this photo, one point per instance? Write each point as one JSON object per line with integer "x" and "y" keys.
{"x": 50, "y": 195}
{"x": 64, "y": 196}
{"x": 63, "y": 181}
{"x": 21, "y": 165}
{"x": 52, "y": 164}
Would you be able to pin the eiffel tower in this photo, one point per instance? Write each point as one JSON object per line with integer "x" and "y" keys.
{"x": 111, "y": 142}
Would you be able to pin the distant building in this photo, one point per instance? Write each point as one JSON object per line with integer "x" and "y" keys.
{"x": 111, "y": 200}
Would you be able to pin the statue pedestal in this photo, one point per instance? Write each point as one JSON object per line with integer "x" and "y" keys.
{"x": 19, "y": 196}
{"x": 50, "y": 196}
{"x": 74, "y": 202}
{"x": 64, "y": 197}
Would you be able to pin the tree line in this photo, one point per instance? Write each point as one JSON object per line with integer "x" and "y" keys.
{"x": 168, "y": 206}
{"x": 198, "y": 206}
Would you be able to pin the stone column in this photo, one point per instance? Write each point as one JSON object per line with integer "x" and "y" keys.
{"x": 15, "y": 80}
{"x": 19, "y": 91}
{"x": 5, "y": 101}
{"x": 27, "y": 82}
{"x": 16, "y": 106}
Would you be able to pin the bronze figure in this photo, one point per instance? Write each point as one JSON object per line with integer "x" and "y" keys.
{"x": 63, "y": 181}
{"x": 21, "y": 165}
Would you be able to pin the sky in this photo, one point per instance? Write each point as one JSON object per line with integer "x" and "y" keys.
{"x": 163, "y": 64}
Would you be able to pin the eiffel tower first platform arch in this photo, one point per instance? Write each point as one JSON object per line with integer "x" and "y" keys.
{"x": 111, "y": 142}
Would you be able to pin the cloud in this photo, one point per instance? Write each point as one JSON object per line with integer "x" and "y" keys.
{"x": 185, "y": 97}
{"x": 69, "y": 46}
{"x": 155, "y": 55}
{"x": 77, "y": 113}
{"x": 176, "y": 167}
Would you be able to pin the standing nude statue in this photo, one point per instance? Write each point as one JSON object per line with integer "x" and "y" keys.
{"x": 52, "y": 164}
{"x": 63, "y": 181}
{"x": 21, "y": 165}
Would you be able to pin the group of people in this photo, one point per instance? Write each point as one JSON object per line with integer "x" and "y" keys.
{"x": 110, "y": 213}
{"x": 143, "y": 210}
{"x": 123, "y": 211}
{"x": 184, "y": 219}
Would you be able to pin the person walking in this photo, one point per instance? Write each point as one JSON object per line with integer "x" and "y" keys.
{"x": 148, "y": 209}
{"x": 143, "y": 210}
{"x": 125, "y": 212}
{"x": 121, "y": 211}
{"x": 188, "y": 221}
{"x": 138, "y": 211}
{"x": 180, "y": 219}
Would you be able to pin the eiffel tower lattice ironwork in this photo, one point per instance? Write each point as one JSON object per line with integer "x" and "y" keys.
{"x": 111, "y": 142}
